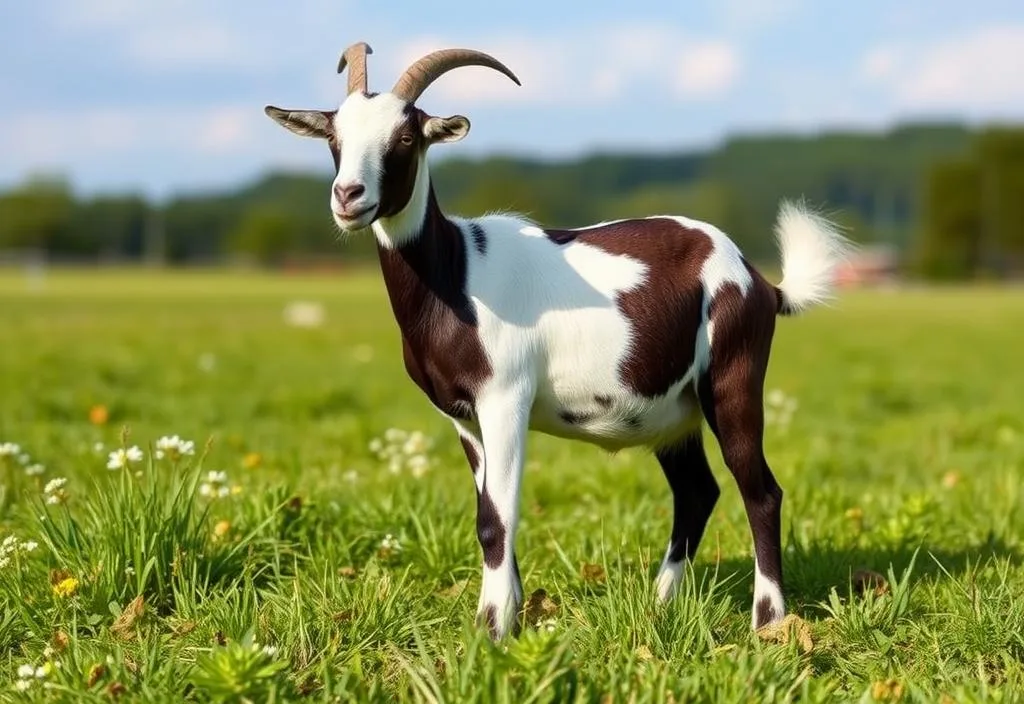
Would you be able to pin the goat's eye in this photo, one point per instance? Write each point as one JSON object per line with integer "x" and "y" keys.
{"x": 406, "y": 139}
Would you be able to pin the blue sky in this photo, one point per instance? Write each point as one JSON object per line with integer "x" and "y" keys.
{"x": 167, "y": 96}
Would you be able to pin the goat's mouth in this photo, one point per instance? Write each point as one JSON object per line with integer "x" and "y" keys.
{"x": 355, "y": 219}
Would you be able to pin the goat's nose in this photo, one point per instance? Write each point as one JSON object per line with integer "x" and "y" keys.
{"x": 348, "y": 193}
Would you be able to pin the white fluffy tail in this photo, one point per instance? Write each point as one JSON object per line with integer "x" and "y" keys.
{"x": 811, "y": 247}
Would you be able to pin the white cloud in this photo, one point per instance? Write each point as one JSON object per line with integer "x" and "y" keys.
{"x": 103, "y": 133}
{"x": 591, "y": 68}
{"x": 200, "y": 34}
{"x": 975, "y": 73}
{"x": 707, "y": 70}
{"x": 177, "y": 47}
{"x": 747, "y": 15}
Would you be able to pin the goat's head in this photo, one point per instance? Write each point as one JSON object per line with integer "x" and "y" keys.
{"x": 379, "y": 140}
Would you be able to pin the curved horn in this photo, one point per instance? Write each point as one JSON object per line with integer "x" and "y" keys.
{"x": 355, "y": 58}
{"x": 421, "y": 74}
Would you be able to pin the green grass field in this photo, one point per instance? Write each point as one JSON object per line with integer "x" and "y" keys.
{"x": 326, "y": 574}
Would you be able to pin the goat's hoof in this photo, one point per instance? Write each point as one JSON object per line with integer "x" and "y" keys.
{"x": 498, "y": 624}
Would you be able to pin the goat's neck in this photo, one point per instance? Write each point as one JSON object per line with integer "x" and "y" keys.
{"x": 423, "y": 260}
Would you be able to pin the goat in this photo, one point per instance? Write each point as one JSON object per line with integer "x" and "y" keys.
{"x": 627, "y": 333}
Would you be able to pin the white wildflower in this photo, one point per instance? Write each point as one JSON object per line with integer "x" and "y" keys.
{"x": 216, "y": 485}
{"x": 173, "y": 447}
{"x": 25, "y": 671}
{"x": 24, "y": 458}
{"x": 98, "y": 447}
{"x": 54, "y": 491}
{"x": 12, "y": 545}
{"x": 418, "y": 465}
{"x": 390, "y": 544}
{"x": 49, "y": 652}
{"x": 41, "y": 672}
{"x": 416, "y": 443}
{"x": 121, "y": 458}
{"x": 270, "y": 650}
{"x": 23, "y": 685}
{"x": 304, "y": 314}
{"x": 403, "y": 450}
{"x": 779, "y": 408}
{"x": 54, "y": 484}
{"x": 9, "y": 449}
{"x": 34, "y": 470}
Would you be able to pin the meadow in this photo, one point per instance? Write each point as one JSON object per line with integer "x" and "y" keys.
{"x": 305, "y": 530}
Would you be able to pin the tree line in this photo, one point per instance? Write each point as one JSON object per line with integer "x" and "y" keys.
{"x": 946, "y": 197}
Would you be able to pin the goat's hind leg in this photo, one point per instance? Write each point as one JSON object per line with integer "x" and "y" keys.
{"x": 694, "y": 494}
{"x": 732, "y": 396}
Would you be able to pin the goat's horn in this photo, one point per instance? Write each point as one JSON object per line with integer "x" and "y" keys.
{"x": 355, "y": 58}
{"x": 421, "y": 74}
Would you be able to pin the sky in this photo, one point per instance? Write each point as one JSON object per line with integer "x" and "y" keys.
{"x": 164, "y": 97}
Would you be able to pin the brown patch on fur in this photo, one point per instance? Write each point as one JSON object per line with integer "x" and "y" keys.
{"x": 665, "y": 310}
{"x": 401, "y": 164}
{"x": 763, "y": 612}
{"x": 471, "y": 454}
{"x": 732, "y": 397}
{"x": 694, "y": 494}
{"x": 425, "y": 279}
{"x": 489, "y": 618}
{"x": 490, "y": 531}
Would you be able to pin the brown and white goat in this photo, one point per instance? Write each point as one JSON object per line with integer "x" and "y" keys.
{"x": 620, "y": 334}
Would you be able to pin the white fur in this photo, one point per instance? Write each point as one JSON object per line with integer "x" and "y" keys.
{"x": 670, "y": 574}
{"x": 765, "y": 587}
{"x": 811, "y": 248}
{"x": 366, "y": 127}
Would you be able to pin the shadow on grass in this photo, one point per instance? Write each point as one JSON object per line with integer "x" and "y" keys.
{"x": 811, "y": 572}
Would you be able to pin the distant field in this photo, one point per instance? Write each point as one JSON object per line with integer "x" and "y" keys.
{"x": 907, "y": 438}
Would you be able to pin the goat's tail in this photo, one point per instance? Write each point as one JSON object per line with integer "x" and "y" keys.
{"x": 811, "y": 247}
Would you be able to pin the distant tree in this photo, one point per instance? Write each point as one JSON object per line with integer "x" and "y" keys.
{"x": 949, "y": 244}
{"x": 264, "y": 234}
{"x": 113, "y": 226}
{"x": 38, "y": 215}
{"x": 1000, "y": 158}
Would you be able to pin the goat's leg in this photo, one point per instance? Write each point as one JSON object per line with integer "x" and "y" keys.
{"x": 732, "y": 396}
{"x": 739, "y": 416}
{"x": 694, "y": 494}
{"x": 501, "y": 445}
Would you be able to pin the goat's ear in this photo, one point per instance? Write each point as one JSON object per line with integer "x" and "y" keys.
{"x": 305, "y": 123}
{"x": 445, "y": 129}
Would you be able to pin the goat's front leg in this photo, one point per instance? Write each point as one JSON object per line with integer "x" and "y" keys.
{"x": 497, "y": 456}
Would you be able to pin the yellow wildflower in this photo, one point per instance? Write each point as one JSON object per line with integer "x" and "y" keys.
{"x": 221, "y": 529}
{"x": 66, "y": 587}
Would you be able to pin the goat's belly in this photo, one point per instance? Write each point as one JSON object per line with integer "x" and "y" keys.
{"x": 613, "y": 419}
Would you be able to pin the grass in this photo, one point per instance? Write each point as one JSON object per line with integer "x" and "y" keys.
{"x": 323, "y": 575}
